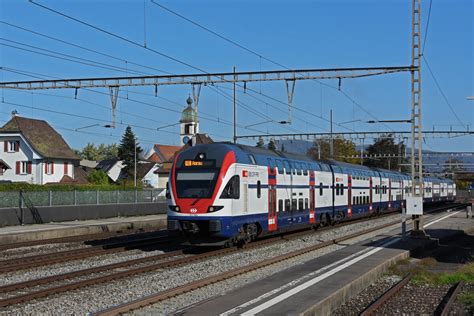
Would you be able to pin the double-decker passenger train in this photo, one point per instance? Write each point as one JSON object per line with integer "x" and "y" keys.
{"x": 224, "y": 193}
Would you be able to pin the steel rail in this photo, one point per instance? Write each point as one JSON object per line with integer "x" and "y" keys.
{"x": 446, "y": 304}
{"x": 385, "y": 297}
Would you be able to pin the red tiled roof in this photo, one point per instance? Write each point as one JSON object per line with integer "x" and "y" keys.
{"x": 164, "y": 153}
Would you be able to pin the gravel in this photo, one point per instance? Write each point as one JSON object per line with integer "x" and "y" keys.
{"x": 420, "y": 299}
{"x": 356, "y": 304}
{"x": 106, "y": 295}
{"x": 60, "y": 268}
{"x": 40, "y": 250}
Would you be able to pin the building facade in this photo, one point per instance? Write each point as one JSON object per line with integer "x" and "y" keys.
{"x": 32, "y": 151}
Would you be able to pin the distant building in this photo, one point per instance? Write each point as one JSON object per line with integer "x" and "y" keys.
{"x": 32, "y": 151}
{"x": 113, "y": 168}
{"x": 189, "y": 123}
{"x": 161, "y": 153}
{"x": 146, "y": 174}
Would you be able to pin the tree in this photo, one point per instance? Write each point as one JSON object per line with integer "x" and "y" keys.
{"x": 126, "y": 150}
{"x": 389, "y": 153}
{"x": 101, "y": 152}
{"x": 98, "y": 177}
{"x": 260, "y": 143}
{"x": 343, "y": 150}
{"x": 271, "y": 144}
{"x": 89, "y": 152}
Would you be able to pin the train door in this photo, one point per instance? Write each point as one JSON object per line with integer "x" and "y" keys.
{"x": 312, "y": 202}
{"x": 245, "y": 191}
{"x": 371, "y": 194}
{"x": 389, "y": 193}
{"x": 272, "y": 198}
{"x": 349, "y": 196}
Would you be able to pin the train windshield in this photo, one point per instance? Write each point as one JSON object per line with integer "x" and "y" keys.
{"x": 195, "y": 184}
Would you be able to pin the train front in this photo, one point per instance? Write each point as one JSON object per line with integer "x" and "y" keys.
{"x": 201, "y": 191}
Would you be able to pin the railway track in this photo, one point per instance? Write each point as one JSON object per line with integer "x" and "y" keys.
{"x": 14, "y": 293}
{"x": 442, "y": 309}
{"x": 71, "y": 239}
{"x": 28, "y": 262}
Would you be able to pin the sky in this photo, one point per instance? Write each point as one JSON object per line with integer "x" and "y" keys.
{"x": 296, "y": 34}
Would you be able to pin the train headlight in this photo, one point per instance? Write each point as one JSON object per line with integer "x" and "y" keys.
{"x": 174, "y": 208}
{"x": 214, "y": 208}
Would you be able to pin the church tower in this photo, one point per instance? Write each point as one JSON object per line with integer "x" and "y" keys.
{"x": 189, "y": 122}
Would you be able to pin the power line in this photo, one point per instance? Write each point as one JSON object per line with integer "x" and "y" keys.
{"x": 83, "y": 47}
{"x": 260, "y": 56}
{"x": 136, "y": 101}
{"x": 426, "y": 29}
{"x": 441, "y": 91}
{"x": 87, "y": 62}
{"x": 163, "y": 54}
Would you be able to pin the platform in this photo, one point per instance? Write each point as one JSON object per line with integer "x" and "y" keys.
{"x": 321, "y": 285}
{"x": 13, "y": 234}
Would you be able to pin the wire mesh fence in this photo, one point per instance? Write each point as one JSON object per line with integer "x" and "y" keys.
{"x": 65, "y": 198}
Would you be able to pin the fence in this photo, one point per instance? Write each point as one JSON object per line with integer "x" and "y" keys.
{"x": 68, "y": 198}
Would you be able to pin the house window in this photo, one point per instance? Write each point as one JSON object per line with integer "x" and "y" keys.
{"x": 49, "y": 167}
{"x": 12, "y": 146}
{"x": 23, "y": 167}
{"x": 66, "y": 165}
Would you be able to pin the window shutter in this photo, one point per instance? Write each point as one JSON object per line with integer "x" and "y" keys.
{"x": 45, "y": 167}
{"x": 29, "y": 167}
{"x": 5, "y": 146}
{"x": 52, "y": 167}
{"x": 65, "y": 168}
{"x": 17, "y": 146}
{"x": 18, "y": 167}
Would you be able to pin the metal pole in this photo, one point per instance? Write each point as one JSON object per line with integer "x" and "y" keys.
{"x": 135, "y": 164}
{"x": 362, "y": 153}
{"x": 331, "y": 145}
{"x": 235, "y": 112}
{"x": 22, "y": 212}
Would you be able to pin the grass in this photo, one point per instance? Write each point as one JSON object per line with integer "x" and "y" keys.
{"x": 421, "y": 275}
{"x": 467, "y": 299}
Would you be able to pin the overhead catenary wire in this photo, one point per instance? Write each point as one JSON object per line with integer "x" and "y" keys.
{"x": 36, "y": 75}
{"x": 227, "y": 39}
{"x": 141, "y": 46}
{"x": 84, "y": 48}
{"x": 442, "y": 92}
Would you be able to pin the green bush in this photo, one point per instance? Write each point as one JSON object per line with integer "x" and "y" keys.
{"x": 98, "y": 177}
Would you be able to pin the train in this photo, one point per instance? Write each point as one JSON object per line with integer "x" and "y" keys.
{"x": 226, "y": 193}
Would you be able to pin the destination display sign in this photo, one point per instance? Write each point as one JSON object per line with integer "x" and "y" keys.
{"x": 198, "y": 163}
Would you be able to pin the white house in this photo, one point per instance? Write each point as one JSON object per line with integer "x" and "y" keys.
{"x": 32, "y": 151}
{"x": 113, "y": 168}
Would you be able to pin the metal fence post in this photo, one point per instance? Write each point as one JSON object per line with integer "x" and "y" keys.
{"x": 117, "y": 194}
{"x": 22, "y": 213}
{"x": 50, "y": 198}
{"x": 75, "y": 197}
{"x": 97, "y": 196}
{"x": 151, "y": 195}
{"x": 136, "y": 195}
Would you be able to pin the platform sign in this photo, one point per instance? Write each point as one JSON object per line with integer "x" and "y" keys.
{"x": 414, "y": 205}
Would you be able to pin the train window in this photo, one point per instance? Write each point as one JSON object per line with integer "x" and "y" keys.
{"x": 232, "y": 189}
{"x": 320, "y": 189}
{"x": 280, "y": 206}
{"x": 342, "y": 189}
{"x": 287, "y": 205}
{"x": 252, "y": 159}
{"x": 287, "y": 167}
{"x": 298, "y": 168}
{"x": 300, "y": 204}
{"x": 199, "y": 184}
{"x": 293, "y": 204}
{"x": 259, "y": 189}
{"x": 306, "y": 203}
{"x": 271, "y": 163}
{"x": 353, "y": 200}
{"x": 279, "y": 166}
{"x": 305, "y": 169}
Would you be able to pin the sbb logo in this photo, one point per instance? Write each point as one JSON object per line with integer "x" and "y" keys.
{"x": 193, "y": 210}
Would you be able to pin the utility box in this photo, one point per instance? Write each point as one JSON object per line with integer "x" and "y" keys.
{"x": 414, "y": 205}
